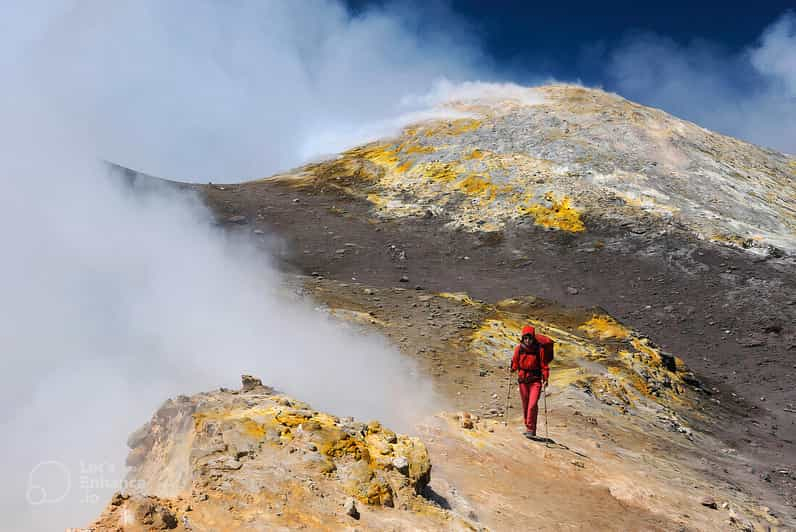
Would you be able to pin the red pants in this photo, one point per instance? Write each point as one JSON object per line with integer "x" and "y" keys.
{"x": 529, "y": 391}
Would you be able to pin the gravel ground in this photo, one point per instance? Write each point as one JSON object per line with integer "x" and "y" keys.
{"x": 727, "y": 313}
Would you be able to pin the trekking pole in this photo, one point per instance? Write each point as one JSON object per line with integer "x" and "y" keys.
{"x": 546, "y": 429}
{"x": 508, "y": 395}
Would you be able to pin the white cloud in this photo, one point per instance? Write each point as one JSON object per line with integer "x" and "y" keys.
{"x": 445, "y": 91}
{"x": 115, "y": 298}
{"x": 750, "y": 95}
{"x": 775, "y": 57}
{"x": 436, "y": 103}
{"x": 201, "y": 90}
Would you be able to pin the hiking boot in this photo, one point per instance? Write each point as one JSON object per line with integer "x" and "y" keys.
{"x": 529, "y": 434}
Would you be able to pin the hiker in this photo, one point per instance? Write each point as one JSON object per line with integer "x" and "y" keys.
{"x": 530, "y": 360}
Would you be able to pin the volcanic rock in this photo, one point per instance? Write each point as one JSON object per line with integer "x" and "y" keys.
{"x": 709, "y": 502}
{"x": 214, "y": 447}
{"x": 350, "y": 509}
{"x": 237, "y": 219}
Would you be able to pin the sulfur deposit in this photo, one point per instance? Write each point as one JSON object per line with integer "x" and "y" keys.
{"x": 256, "y": 458}
{"x": 573, "y": 155}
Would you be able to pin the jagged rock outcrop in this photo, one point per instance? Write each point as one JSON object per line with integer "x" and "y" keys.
{"x": 255, "y": 457}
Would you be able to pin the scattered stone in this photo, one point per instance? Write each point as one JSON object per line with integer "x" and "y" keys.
{"x": 572, "y": 290}
{"x": 751, "y": 341}
{"x": 709, "y": 502}
{"x": 350, "y": 509}
{"x": 259, "y": 232}
{"x": 404, "y": 279}
{"x": 237, "y": 219}
{"x": 467, "y": 420}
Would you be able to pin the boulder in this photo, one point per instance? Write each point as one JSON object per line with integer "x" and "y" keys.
{"x": 250, "y": 383}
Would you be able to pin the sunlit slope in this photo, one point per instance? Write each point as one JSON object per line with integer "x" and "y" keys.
{"x": 634, "y": 429}
{"x": 581, "y": 158}
{"x": 255, "y": 459}
{"x": 636, "y": 425}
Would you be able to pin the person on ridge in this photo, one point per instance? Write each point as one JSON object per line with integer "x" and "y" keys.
{"x": 530, "y": 360}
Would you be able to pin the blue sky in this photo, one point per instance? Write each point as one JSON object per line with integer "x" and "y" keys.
{"x": 728, "y": 66}
{"x": 558, "y": 38}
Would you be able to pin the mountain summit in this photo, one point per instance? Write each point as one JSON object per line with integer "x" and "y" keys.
{"x": 570, "y": 158}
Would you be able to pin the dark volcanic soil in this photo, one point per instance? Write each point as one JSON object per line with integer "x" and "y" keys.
{"x": 729, "y": 315}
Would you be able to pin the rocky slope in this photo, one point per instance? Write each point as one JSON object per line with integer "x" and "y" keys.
{"x": 256, "y": 459}
{"x": 634, "y": 444}
{"x": 575, "y": 155}
{"x": 641, "y": 433}
{"x": 659, "y": 255}
{"x": 538, "y": 198}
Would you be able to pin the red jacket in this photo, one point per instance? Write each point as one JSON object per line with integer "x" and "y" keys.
{"x": 532, "y": 364}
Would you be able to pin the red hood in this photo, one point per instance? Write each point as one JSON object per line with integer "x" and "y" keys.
{"x": 528, "y": 330}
